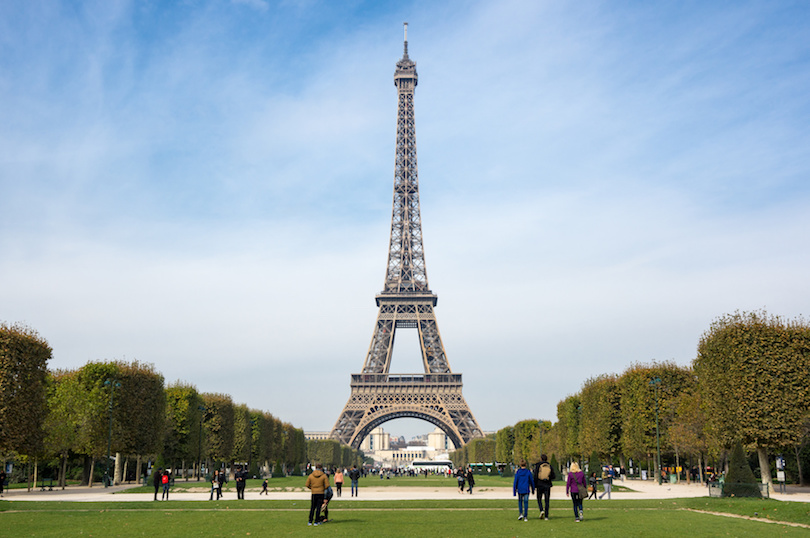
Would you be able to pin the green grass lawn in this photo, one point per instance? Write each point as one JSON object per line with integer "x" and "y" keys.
{"x": 397, "y": 518}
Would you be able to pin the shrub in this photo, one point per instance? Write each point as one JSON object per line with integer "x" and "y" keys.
{"x": 740, "y": 480}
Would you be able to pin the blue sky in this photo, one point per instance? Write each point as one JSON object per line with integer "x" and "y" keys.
{"x": 206, "y": 186}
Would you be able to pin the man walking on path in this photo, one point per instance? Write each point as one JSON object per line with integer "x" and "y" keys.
{"x": 317, "y": 482}
{"x": 523, "y": 484}
{"x": 240, "y": 477}
{"x": 543, "y": 475}
{"x": 354, "y": 476}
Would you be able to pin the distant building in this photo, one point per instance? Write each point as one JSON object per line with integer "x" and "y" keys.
{"x": 316, "y": 436}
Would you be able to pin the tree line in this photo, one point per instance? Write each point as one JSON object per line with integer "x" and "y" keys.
{"x": 72, "y": 419}
{"x": 749, "y": 383}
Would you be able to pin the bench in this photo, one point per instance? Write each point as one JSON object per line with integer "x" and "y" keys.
{"x": 46, "y": 482}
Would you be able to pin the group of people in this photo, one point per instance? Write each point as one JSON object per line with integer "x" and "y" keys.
{"x": 162, "y": 479}
{"x": 540, "y": 480}
{"x": 465, "y": 476}
{"x": 322, "y": 493}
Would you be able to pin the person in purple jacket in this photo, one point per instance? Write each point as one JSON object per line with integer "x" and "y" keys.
{"x": 576, "y": 486}
{"x": 522, "y": 487}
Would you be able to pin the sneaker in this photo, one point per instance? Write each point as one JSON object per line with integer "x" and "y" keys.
{"x": 520, "y": 517}
{"x": 542, "y": 515}
{"x": 577, "y": 520}
{"x": 309, "y": 524}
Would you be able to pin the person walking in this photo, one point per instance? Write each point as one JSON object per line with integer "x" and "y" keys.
{"x": 156, "y": 480}
{"x": 470, "y": 480}
{"x": 543, "y": 476}
{"x": 522, "y": 486}
{"x": 338, "y": 481}
{"x": 317, "y": 482}
{"x": 460, "y": 479}
{"x": 593, "y": 482}
{"x": 264, "y": 488}
{"x": 222, "y": 477}
{"x": 240, "y": 476}
{"x": 165, "y": 479}
{"x": 575, "y": 486}
{"x": 607, "y": 481}
{"x": 214, "y": 485}
{"x": 354, "y": 476}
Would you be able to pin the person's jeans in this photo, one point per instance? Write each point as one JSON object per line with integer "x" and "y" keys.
{"x": 355, "y": 489}
{"x": 315, "y": 507}
{"x": 523, "y": 504}
{"x": 607, "y": 490}
{"x": 543, "y": 494}
{"x": 577, "y": 499}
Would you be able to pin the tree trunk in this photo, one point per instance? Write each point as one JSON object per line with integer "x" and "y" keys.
{"x": 765, "y": 467}
{"x": 802, "y": 481}
{"x": 36, "y": 470}
{"x": 92, "y": 470}
{"x": 700, "y": 467}
{"x": 126, "y": 468}
{"x": 117, "y": 470}
{"x": 63, "y": 474}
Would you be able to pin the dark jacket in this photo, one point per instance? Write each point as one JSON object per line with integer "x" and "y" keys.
{"x": 157, "y": 478}
{"x": 547, "y": 482}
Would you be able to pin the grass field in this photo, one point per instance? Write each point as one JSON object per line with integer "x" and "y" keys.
{"x": 450, "y": 518}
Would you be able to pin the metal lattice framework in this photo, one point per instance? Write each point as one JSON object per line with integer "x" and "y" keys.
{"x": 406, "y": 302}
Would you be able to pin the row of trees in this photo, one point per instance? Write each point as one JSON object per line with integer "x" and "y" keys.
{"x": 750, "y": 382}
{"x": 125, "y": 409}
{"x": 332, "y": 454}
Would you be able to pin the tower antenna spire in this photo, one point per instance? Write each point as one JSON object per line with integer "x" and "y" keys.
{"x": 405, "y": 24}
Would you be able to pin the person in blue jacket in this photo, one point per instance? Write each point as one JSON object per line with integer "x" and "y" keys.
{"x": 523, "y": 487}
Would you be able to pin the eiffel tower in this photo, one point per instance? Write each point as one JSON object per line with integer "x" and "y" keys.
{"x": 406, "y": 302}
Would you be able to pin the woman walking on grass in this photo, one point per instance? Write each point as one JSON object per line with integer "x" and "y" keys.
{"x": 576, "y": 487}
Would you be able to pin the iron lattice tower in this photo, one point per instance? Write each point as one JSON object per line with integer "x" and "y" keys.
{"x": 406, "y": 301}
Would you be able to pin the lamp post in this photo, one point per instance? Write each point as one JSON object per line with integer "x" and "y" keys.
{"x": 656, "y": 382}
{"x": 199, "y": 442}
{"x": 113, "y": 384}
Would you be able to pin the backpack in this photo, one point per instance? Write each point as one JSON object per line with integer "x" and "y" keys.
{"x": 164, "y": 479}
{"x": 544, "y": 472}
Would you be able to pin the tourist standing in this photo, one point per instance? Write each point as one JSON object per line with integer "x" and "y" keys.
{"x": 214, "y": 485}
{"x": 575, "y": 486}
{"x": 354, "y": 476}
{"x": 165, "y": 479}
{"x": 543, "y": 476}
{"x": 222, "y": 477}
{"x": 522, "y": 486}
{"x": 470, "y": 479}
{"x": 338, "y": 481}
{"x": 156, "y": 480}
{"x": 317, "y": 482}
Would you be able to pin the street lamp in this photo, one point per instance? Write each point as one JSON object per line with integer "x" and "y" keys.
{"x": 113, "y": 384}
{"x": 199, "y": 442}
{"x": 656, "y": 382}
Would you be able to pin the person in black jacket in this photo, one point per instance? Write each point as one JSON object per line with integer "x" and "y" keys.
{"x": 241, "y": 477}
{"x": 157, "y": 480}
{"x": 354, "y": 476}
{"x": 543, "y": 475}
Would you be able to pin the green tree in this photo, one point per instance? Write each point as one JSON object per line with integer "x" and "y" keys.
{"x": 481, "y": 450}
{"x": 754, "y": 377}
{"x": 600, "y": 416}
{"x": 568, "y": 421}
{"x": 505, "y": 445}
{"x": 638, "y": 406}
{"x": 687, "y": 430}
{"x": 23, "y": 378}
{"x": 740, "y": 480}
{"x": 527, "y": 441}
{"x": 218, "y": 426}
{"x": 182, "y": 440}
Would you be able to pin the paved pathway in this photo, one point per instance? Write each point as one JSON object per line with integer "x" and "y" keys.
{"x": 641, "y": 490}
